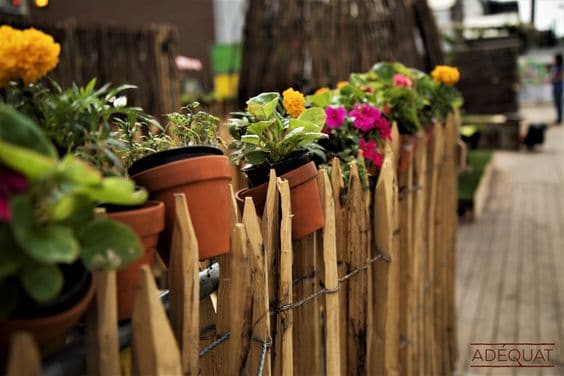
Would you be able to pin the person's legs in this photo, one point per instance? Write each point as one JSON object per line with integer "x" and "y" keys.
{"x": 557, "y": 93}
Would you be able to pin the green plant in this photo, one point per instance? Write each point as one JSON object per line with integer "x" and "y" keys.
{"x": 80, "y": 120}
{"x": 265, "y": 133}
{"x": 47, "y": 214}
{"x": 184, "y": 128}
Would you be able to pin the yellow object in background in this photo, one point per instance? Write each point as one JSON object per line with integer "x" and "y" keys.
{"x": 41, "y": 3}
{"x": 225, "y": 85}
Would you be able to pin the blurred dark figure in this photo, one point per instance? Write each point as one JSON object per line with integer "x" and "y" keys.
{"x": 557, "y": 78}
{"x": 535, "y": 135}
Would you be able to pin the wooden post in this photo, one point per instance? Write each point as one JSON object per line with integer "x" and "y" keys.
{"x": 283, "y": 356}
{"x": 341, "y": 234}
{"x": 241, "y": 300}
{"x": 419, "y": 251}
{"x": 330, "y": 278}
{"x": 307, "y": 345}
{"x": 184, "y": 284}
{"x": 383, "y": 349}
{"x": 259, "y": 281}
{"x": 405, "y": 256}
{"x": 102, "y": 357}
{"x": 24, "y": 358}
{"x": 358, "y": 285}
{"x": 102, "y": 344}
{"x": 224, "y": 295}
{"x": 155, "y": 351}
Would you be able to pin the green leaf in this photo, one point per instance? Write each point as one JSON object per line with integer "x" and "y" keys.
{"x": 107, "y": 244}
{"x": 384, "y": 70}
{"x": 19, "y": 130}
{"x": 314, "y": 115}
{"x": 72, "y": 209}
{"x": 306, "y": 125}
{"x": 321, "y": 100}
{"x": 251, "y": 139}
{"x": 11, "y": 256}
{"x": 259, "y": 127}
{"x": 263, "y": 105}
{"x": 256, "y": 157}
{"x": 114, "y": 190}
{"x": 42, "y": 282}
{"x": 51, "y": 244}
{"x": 79, "y": 172}
{"x": 26, "y": 161}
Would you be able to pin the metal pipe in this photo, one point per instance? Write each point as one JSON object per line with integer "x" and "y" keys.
{"x": 71, "y": 360}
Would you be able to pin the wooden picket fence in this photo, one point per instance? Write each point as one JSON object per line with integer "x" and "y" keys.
{"x": 370, "y": 293}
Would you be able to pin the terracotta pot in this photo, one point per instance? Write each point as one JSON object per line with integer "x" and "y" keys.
{"x": 47, "y": 330}
{"x": 205, "y": 182}
{"x": 306, "y": 203}
{"x": 147, "y": 222}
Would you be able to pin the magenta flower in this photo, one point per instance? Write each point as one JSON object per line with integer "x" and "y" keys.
{"x": 335, "y": 116}
{"x": 401, "y": 80}
{"x": 384, "y": 128}
{"x": 365, "y": 116}
{"x": 370, "y": 151}
{"x": 10, "y": 182}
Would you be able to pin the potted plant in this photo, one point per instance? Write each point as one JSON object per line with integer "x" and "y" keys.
{"x": 81, "y": 120}
{"x": 281, "y": 136}
{"x": 187, "y": 161}
{"x": 354, "y": 124}
{"x": 49, "y": 235}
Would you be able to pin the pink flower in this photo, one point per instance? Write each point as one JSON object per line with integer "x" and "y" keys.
{"x": 401, "y": 80}
{"x": 365, "y": 116}
{"x": 370, "y": 151}
{"x": 384, "y": 128}
{"x": 335, "y": 116}
{"x": 10, "y": 182}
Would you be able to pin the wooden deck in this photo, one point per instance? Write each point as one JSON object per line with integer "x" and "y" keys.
{"x": 510, "y": 266}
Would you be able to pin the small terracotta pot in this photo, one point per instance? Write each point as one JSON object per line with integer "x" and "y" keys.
{"x": 147, "y": 222}
{"x": 46, "y": 330}
{"x": 306, "y": 203}
{"x": 407, "y": 149}
{"x": 205, "y": 182}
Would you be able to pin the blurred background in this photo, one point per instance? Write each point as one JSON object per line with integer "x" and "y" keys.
{"x": 219, "y": 51}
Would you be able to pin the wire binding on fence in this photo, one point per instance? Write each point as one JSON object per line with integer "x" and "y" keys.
{"x": 214, "y": 344}
{"x": 265, "y": 345}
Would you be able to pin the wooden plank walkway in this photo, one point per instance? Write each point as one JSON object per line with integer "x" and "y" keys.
{"x": 510, "y": 263}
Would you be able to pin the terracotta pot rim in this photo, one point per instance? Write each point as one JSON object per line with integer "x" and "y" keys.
{"x": 222, "y": 170}
{"x": 61, "y": 316}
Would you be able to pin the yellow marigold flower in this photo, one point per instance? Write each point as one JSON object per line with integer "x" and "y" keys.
{"x": 340, "y": 84}
{"x": 27, "y": 55}
{"x": 321, "y": 90}
{"x": 293, "y": 101}
{"x": 446, "y": 74}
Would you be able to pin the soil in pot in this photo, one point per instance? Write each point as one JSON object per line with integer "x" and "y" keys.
{"x": 203, "y": 174}
{"x": 147, "y": 221}
{"x": 305, "y": 200}
{"x": 50, "y": 321}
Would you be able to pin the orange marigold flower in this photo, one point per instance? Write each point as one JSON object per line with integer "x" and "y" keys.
{"x": 340, "y": 84}
{"x": 446, "y": 74}
{"x": 321, "y": 90}
{"x": 294, "y": 102}
{"x": 27, "y": 55}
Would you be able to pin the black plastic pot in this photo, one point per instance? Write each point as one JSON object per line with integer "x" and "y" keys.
{"x": 77, "y": 281}
{"x": 166, "y": 156}
{"x": 258, "y": 175}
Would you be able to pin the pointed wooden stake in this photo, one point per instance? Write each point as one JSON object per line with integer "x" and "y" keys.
{"x": 283, "y": 356}
{"x": 259, "y": 281}
{"x": 184, "y": 284}
{"x": 24, "y": 359}
{"x": 241, "y": 301}
{"x": 330, "y": 278}
{"x": 155, "y": 351}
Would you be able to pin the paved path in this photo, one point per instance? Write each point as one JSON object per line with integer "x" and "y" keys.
{"x": 510, "y": 266}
